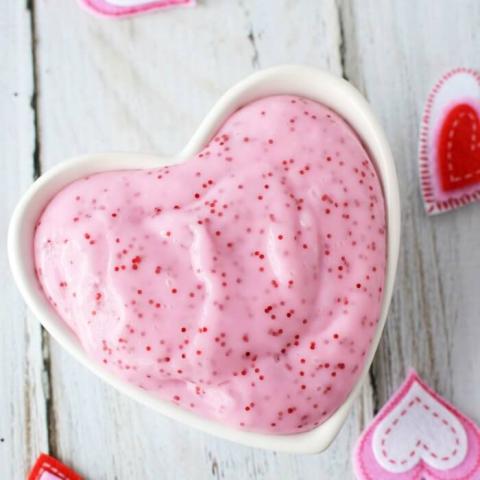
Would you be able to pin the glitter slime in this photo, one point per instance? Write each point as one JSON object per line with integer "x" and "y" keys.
{"x": 245, "y": 284}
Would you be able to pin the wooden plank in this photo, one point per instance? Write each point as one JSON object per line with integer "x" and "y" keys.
{"x": 433, "y": 325}
{"x": 143, "y": 84}
{"x": 23, "y": 426}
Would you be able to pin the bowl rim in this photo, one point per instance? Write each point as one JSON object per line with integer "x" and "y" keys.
{"x": 304, "y": 81}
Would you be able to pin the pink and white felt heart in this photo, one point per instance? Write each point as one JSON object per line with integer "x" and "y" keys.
{"x": 418, "y": 436}
{"x": 449, "y": 151}
{"x": 124, "y": 8}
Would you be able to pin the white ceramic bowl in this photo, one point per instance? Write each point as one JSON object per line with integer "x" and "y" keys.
{"x": 297, "y": 80}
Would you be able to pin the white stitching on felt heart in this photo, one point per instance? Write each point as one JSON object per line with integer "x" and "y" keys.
{"x": 53, "y": 469}
{"x": 419, "y": 442}
{"x": 434, "y": 201}
{"x": 473, "y": 145}
{"x": 434, "y": 424}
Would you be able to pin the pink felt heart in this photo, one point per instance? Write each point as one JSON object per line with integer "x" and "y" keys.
{"x": 449, "y": 144}
{"x": 124, "y": 8}
{"x": 417, "y": 435}
{"x": 244, "y": 284}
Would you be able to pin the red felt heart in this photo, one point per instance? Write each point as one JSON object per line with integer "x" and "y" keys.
{"x": 49, "y": 468}
{"x": 459, "y": 148}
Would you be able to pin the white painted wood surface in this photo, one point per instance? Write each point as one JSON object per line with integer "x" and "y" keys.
{"x": 72, "y": 83}
{"x": 23, "y": 385}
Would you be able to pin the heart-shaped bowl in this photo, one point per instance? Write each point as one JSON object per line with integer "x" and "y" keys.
{"x": 303, "y": 81}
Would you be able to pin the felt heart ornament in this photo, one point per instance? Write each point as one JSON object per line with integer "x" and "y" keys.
{"x": 125, "y": 8}
{"x": 449, "y": 142}
{"x": 240, "y": 286}
{"x": 49, "y": 468}
{"x": 418, "y": 435}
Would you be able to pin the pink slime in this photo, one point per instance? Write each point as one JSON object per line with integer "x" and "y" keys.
{"x": 245, "y": 284}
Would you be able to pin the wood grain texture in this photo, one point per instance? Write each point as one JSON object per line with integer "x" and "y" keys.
{"x": 143, "y": 84}
{"x": 23, "y": 385}
{"x": 433, "y": 324}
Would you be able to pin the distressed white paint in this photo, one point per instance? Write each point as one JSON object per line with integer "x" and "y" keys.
{"x": 23, "y": 428}
{"x": 143, "y": 84}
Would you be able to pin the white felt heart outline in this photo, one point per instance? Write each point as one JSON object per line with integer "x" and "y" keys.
{"x": 459, "y": 85}
{"x": 399, "y": 443}
{"x": 308, "y": 82}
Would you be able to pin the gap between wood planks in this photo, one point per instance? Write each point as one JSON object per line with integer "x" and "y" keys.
{"x": 37, "y": 171}
{"x": 349, "y": 67}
